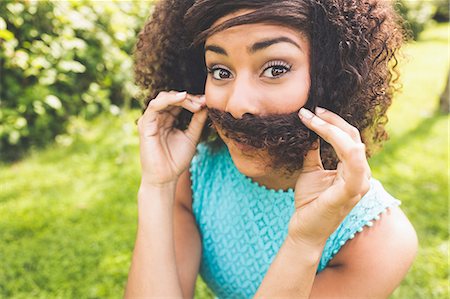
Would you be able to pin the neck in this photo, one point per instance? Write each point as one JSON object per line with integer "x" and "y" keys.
{"x": 278, "y": 180}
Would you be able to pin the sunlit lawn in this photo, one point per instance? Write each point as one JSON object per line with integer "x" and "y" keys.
{"x": 414, "y": 165}
{"x": 68, "y": 213}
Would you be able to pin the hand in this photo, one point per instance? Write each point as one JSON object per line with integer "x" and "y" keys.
{"x": 323, "y": 198}
{"x": 165, "y": 151}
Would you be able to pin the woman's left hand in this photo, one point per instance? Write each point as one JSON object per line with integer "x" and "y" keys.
{"x": 323, "y": 198}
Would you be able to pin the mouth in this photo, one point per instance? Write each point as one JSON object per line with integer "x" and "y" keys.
{"x": 242, "y": 147}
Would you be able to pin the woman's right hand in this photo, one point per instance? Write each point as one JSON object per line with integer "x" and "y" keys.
{"x": 164, "y": 150}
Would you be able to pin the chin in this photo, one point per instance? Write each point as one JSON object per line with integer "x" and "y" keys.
{"x": 248, "y": 164}
{"x": 249, "y": 161}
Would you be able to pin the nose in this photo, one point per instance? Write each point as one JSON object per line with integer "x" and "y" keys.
{"x": 243, "y": 99}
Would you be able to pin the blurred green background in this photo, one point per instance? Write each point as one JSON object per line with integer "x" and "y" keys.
{"x": 69, "y": 169}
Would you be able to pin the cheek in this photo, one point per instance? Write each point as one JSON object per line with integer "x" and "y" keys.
{"x": 291, "y": 97}
{"x": 215, "y": 97}
{"x": 302, "y": 91}
{"x": 299, "y": 88}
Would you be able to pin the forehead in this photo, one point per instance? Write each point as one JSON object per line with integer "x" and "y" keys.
{"x": 232, "y": 15}
{"x": 251, "y": 31}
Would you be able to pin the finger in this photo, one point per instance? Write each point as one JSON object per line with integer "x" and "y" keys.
{"x": 342, "y": 143}
{"x": 338, "y": 195}
{"x": 195, "y": 128}
{"x": 166, "y": 99}
{"x": 312, "y": 185}
{"x": 199, "y": 98}
{"x": 170, "y": 116}
{"x": 339, "y": 122}
{"x": 351, "y": 153}
{"x": 156, "y": 119}
{"x": 164, "y": 102}
{"x": 312, "y": 160}
{"x": 171, "y": 113}
{"x": 341, "y": 171}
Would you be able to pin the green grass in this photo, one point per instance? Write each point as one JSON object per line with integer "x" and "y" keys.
{"x": 68, "y": 213}
{"x": 68, "y": 216}
{"x": 414, "y": 164}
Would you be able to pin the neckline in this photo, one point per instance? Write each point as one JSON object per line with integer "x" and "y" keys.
{"x": 260, "y": 186}
{"x": 253, "y": 183}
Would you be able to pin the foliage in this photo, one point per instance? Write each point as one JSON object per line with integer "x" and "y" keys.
{"x": 60, "y": 59}
{"x": 69, "y": 212}
{"x": 441, "y": 13}
{"x": 418, "y": 13}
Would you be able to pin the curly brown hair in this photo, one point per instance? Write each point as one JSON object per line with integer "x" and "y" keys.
{"x": 354, "y": 46}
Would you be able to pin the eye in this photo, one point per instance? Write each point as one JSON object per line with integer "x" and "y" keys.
{"x": 219, "y": 73}
{"x": 276, "y": 69}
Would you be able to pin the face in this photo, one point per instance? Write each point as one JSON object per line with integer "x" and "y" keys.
{"x": 256, "y": 73}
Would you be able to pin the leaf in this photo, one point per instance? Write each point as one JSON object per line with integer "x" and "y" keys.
{"x": 6, "y": 34}
{"x": 53, "y": 102}
{"x": 72, "y": 66}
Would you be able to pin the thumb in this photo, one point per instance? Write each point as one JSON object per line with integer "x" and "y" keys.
{"x": 312, "y": 159}
{"x": 196, "y": 125}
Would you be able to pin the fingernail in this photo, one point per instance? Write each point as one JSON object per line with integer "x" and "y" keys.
{"x": 180, "y": 95}
{"x": 320, "y": 110}
{"x": 306, "y": 113}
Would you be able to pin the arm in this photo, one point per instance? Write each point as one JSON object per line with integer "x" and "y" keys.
{"x": 153, "y": 267}
{"x": 371, "y": 265}
{"x": 188, "y": 246}
{"x": 183, "y": 254}
{"x": 165, "y": 154}
{"x": 292, "y": 273}
{"x": 369, "y": 270}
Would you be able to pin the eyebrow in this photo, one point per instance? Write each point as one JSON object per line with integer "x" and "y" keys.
{"x": 256, "y": 46}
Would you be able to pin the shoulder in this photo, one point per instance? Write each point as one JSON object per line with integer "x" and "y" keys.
{"x": 373, "y": 263}
{"x": 392, "y": 235}
{"x": 386, "y": 250}
{"x": 363, "y": 216}
{"x": 389, "y": 235}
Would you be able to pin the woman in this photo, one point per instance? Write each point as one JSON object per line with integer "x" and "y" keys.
{"x": 235, "y": 185}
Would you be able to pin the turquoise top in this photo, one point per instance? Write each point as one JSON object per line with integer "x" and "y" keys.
{"x": 243, "y": 224}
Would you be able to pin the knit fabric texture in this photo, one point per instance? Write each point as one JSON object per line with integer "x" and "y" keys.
{"x": 243, "y": 224}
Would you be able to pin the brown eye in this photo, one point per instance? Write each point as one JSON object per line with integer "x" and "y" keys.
{"x": 219, "y": 73}
{"x": 223, "y": 74}
{"x": 275, "y": 71}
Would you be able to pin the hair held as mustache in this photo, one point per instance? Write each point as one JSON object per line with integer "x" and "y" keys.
{"x": 284, "y": 136}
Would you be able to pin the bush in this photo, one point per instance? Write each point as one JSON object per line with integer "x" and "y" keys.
{"x": 442, "y": 11}
{"x": 62, "y": 59}
{"x": 418, "y": 14}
